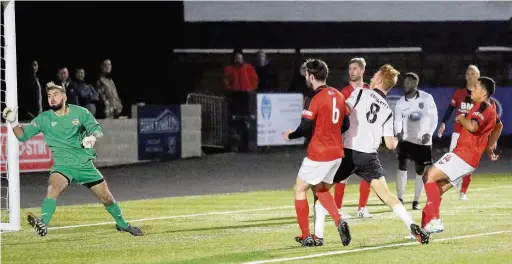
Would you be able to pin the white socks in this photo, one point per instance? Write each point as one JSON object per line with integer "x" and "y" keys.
{"x": 320, "y": 214}
{"x": 400, "y": 211}
{"x": 401, "y": 181}
{"x": 419, "y": 187}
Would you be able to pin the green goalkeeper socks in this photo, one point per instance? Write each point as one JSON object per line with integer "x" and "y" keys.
{"x": 47, "y": 209}
{"x": 115, "y": 212}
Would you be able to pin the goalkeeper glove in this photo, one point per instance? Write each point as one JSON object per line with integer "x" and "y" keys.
{"x": 88, "y": 142}
{"x": 10, "y": 114}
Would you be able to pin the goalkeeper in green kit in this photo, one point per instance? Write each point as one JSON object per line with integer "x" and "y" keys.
{"x": 71, "y": 132}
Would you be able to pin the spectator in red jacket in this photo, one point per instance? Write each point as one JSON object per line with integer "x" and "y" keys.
{"x": 240, "y": 76}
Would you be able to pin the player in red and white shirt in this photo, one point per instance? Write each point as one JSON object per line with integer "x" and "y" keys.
{"x": 478, "y": 134}
{"x": 356, "y": 68}
{"x": 370, "y": 120}
{"x": 323, "y": 119}
{"x": 462, "y": 103}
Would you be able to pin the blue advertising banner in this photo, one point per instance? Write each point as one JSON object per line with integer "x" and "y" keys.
{"x": 442, "y": 97}
{"x": 159, "y": 132}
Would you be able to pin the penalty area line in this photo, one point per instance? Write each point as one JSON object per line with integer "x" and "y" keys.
{"x": 341, "y": 252}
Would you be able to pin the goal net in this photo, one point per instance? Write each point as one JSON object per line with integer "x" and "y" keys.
{"x": 9, "y": 154}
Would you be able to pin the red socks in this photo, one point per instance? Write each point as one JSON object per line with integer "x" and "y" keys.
{"x": 364, "y": 193}
{"x": 466, "y": 180}
{"x": 302, "y": 210}
{"x": 425, "y": 214}
{"x": 433, "y": 199}
{"x": 339, "y": 192}
{"x": 325, "y": 198}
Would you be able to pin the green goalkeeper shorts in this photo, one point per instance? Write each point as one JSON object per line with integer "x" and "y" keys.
{"x": 83, "y": 175}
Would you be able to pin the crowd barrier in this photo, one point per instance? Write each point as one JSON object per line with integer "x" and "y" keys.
{"x": 214, "y": 119}
{"x": 159, "y": 134}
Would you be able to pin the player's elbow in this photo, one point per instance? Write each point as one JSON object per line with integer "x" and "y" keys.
{"x": 391, "y": 142}
{"x": 499, "y": 126}
{"x": 473, "y": 129}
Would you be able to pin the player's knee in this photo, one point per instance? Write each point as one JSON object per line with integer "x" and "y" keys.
{"x": 106, "y": 198}
{"x": 53, "y": 191}
{"x": 432, "y": 175}
{"x": 299, "y": 189}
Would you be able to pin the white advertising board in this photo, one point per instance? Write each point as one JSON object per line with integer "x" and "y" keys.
{"x": 276, "y": 113}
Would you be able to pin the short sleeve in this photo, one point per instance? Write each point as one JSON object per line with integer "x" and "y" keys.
{"x": 431, "y": 104}
{"x": 498, "y": 119}
{"x": 311, "y": 110}
{"x": 354, "y": 97}
{"x": 453, "y": 103}
{"x": 91, "y": 125}
{"x": 388, "y": 127}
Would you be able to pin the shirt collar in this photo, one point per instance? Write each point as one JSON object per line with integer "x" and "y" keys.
{"x": 380, "y": 93}
{"x": 416, "y": 97}
{"x": 319, "y": 89}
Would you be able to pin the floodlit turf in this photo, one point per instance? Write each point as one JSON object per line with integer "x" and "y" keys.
{"x": 264, "y": 229}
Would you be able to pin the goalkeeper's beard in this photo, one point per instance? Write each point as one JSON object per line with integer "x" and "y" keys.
{"x": 56, "y": 107}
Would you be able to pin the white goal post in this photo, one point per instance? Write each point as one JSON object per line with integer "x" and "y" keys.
{"x": 9, "y": 97}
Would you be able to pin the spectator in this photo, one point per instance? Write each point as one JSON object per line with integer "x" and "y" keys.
{"x": 108, "y": 91}
{"x": 64, "y": 81}
{"x": 33, "y": 105}
{"x": 239, "y": 75}
{"x": 88, "y": 97}
{"x": 267, "y": 78}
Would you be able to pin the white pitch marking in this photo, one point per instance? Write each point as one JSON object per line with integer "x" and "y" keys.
{"x": 226, "y": 212}
{"x": 373, "y": 248}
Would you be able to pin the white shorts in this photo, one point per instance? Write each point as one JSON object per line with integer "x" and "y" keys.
{"x": 315, "y": 172}
{"x": 453, "y": 142}
{"x": 454, "y": 167}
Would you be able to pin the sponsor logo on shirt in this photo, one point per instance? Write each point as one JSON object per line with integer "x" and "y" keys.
{"x": 76, "y": 122}
{"x": 54, "y": 123}
{"x": 465, "y": 107}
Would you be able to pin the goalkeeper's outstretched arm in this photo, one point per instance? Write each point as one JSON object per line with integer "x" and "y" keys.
{"x": 28, "y": 131}
{"x": 10, "y": 114}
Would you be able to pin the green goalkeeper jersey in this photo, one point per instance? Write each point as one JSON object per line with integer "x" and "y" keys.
{"x": 64, "y": 135}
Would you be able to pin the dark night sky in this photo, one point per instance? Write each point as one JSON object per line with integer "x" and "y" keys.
{"x": 137, "y": 37}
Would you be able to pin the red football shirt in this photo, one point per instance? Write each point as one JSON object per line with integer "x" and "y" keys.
{"x": 347, "y": 90}
{"x": 471, "y": 146}
{"x": 461, "y": 101}
{"x": 326, "y": 109}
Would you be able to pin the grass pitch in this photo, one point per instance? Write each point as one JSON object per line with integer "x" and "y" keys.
{"x": 260, "y": 226}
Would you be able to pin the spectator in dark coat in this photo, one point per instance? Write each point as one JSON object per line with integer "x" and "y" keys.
{"x": 88, "y": 97}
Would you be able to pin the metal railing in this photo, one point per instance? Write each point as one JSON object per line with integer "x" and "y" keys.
{"x": 214, "y": 119}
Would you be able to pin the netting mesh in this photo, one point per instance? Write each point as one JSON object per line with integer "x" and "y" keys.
{"x": 4, "y": 193}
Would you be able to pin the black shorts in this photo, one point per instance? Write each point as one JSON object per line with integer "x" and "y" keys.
{"x": 365, "y": 165}
{"x": 419, "y": 154}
